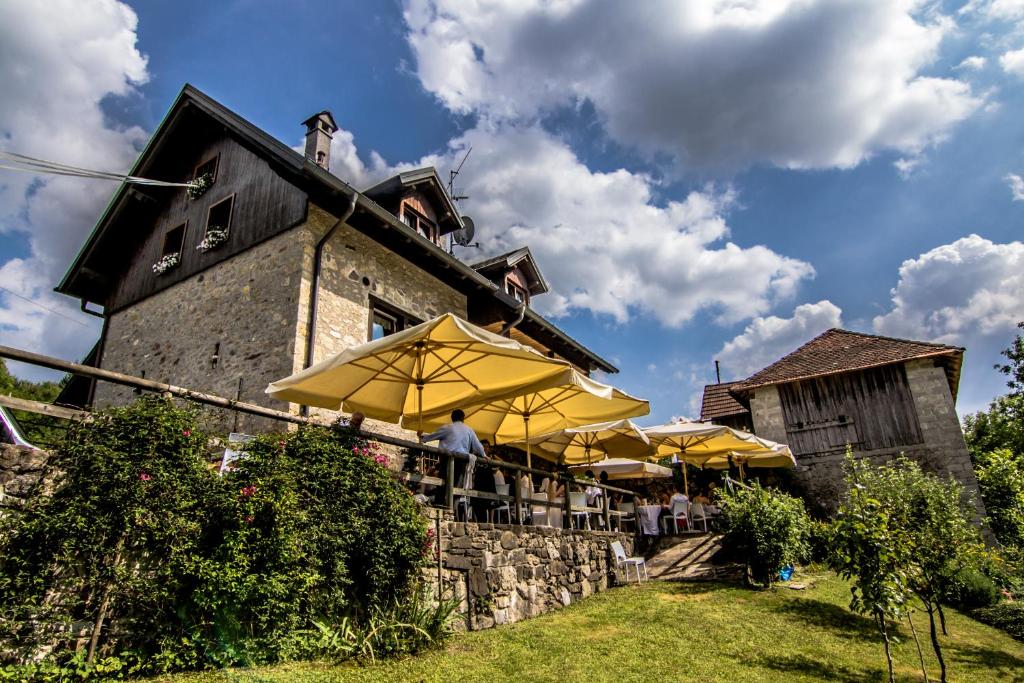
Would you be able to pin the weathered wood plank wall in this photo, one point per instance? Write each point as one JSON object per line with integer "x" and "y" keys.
{"x": 871, "y": 409}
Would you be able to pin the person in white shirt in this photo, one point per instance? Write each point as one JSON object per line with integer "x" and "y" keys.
{"x": 457, "y": 437}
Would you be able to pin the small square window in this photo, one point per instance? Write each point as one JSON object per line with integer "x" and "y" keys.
{"x": 219, "y": 216}
{"x": 174, "y": 239}
{"x": 517, "y": 292}
{"x": 386, "y": 320}
{"x": 208, "y": 167}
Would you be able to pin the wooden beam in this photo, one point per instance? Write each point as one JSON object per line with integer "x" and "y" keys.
{"x": 39, "y": 408}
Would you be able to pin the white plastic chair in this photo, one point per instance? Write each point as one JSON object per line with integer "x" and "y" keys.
{"x": 580, "y": 517}
{"x": 539, "y": 514}
{"x": 679, "y": 509}
{"x": 699, "y": 514}
{"x": 625, "y": 562}
{"x": 495, "y": 513}
{"x": 627, "y": 515}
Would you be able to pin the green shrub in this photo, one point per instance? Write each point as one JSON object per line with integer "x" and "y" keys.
{"x": 820, "y": 540}
{"x": 970, "y": 589}
{"x": 1007, "y": 616}
{"x": 1001, "y": 480}
{"x": 767, "y": 528}
{"x": 184, "y": 569}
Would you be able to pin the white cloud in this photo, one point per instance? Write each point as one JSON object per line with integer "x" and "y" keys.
{"x": 972, "y": 63}
{"x": 958, "y": 292}
{"x": 767, "y": 339}
{"x": 995, "y": 9}
{"x": 794, "y": 83}
{"x": 601, "y": 242}
{"x": 1016, "y": 184}
{"x": 1013, "y": 62}
{"x": 58, "y": 61}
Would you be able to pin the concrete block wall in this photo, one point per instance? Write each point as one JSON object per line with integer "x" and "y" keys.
{"x": 502, "y": 573}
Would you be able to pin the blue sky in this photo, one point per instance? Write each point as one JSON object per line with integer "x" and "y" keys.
{"x": 724, "y": 180}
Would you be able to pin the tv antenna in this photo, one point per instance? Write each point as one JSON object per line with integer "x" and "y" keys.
{"x": 453, "y": 174}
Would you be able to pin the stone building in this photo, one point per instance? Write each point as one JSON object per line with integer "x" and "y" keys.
{"x": 278, "y": 263}
{"x": 881, "y": 396}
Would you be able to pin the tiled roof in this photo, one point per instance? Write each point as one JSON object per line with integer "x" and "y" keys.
{"x": 836, "y": 351}
{"x": 718, "y": 402}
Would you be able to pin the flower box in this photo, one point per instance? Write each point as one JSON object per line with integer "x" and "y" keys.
{"x": 198, "y": 187}
{"x": 166, "y": 263}
{"x": 215, "y": 236}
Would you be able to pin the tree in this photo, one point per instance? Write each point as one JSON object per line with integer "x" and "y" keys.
{"x": 40, "y": 430}
{"x": 999, "y": 428}
{"x": 1014, "y": 367}
{"x": 871, "y": 550}
{"x": 912, "y": 527}
{"x": 1000, "y": 475}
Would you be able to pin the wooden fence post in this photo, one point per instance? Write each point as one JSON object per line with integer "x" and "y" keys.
{"x": 449, "y": 482}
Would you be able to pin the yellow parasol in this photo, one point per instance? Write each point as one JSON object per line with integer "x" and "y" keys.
{"x": 552, "y": 404}
{"x": 591, "y": 442}
{"x": 434, "y": 366}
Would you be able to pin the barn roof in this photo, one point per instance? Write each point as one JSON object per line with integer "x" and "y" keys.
{"x": 836, "y": 351}
{"x": 718, "y": 402}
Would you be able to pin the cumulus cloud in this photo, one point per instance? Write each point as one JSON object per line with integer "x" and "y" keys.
{"x": 995, "y": 9}
{"x": 1013, "y": 62}
{"x": 957, "y": 292}
{"x": 797, "y": 84}
{"x": 1016, "y": 184}
{"x": 603, "y": 244}
{"x": 972, "y": 63}
{"x": 58, "y": 61}
{"x": 767, "y": 339}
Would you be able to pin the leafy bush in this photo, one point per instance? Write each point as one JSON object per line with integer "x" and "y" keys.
{"x": 820, "y": 540}
{"x": 1007, "y": 616}
{"x": 767, "y": 528}
{"x": 970, "y": 589}
{"x": 160, "y": 564}
{"x": 1001, "y": 480}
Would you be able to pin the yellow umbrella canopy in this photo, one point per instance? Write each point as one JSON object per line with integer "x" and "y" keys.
{"x": 434, "y": 366}
{"x": 778, "y": 456}
{"x": 561, "y": 402}
{"x": 588, "y": 443}
{"x": 624, "y": 468}
{"x": 700, "y": 439}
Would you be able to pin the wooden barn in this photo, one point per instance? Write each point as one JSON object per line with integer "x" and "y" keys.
{"x": 878, "y": 395}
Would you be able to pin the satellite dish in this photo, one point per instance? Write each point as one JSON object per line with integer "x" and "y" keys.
{"x": 464, "y": 235}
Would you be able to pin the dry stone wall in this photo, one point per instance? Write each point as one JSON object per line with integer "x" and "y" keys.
{"x": 502, "y": 573}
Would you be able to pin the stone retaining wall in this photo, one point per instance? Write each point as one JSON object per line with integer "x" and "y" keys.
{"x": 502, "y": 573}
{"x": 21, "y": 468}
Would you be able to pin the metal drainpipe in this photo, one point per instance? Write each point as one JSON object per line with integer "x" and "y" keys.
{"x": 314, "y": 294}
{"x": 520, "y": 314}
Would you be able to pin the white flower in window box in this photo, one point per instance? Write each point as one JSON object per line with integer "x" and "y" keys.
{"x": 198, "y": 187}
{"x": 215, "y": 236}
{"x": 166, "y": 263}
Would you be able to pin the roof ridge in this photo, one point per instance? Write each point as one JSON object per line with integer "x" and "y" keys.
{"x": 903, "y": 340}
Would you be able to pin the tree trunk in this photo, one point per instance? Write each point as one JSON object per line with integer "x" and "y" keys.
{"x": 935, "y": 641}
{"x": 101, "y": 615}
{"x": 888, "y": 652}
{"x": 917, "y": 642}
{"x": 942, "y": 618}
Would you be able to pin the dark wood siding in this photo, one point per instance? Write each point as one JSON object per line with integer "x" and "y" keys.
{"x": 264, "y": 205}
{"x": 871, "y": 409}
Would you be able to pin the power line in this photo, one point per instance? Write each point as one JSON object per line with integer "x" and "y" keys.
{"x": 27, "y": 164}
{"x": 45, "y": 308}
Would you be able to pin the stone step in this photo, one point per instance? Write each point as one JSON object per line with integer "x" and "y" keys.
{"x": 689, "y": 559}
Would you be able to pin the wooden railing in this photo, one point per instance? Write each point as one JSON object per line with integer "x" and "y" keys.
{"x": 447, "y": 459}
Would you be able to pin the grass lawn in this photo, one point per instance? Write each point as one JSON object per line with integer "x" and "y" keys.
{"x": 683, "y": 632}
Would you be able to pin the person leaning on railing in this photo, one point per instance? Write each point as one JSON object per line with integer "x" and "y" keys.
{"x": 458, "y": 437}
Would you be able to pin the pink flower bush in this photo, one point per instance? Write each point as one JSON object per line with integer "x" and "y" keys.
{"x": 144, "y": 477}
{"x": 186, "y": 432}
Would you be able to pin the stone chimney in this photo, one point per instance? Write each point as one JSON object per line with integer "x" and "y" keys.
{"x": 319, "y": 131}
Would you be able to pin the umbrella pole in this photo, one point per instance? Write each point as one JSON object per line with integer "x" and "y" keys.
{"x": 526, "y": 428}
{"x": 686, "y": 480}
{"x": 419, "y": 406}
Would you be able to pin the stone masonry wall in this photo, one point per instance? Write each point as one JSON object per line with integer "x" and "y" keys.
{"x": 248, "y": 305}
{"x": 502, "y": 573}
{"x": 943, "y": 451}
{"x": 21, "y": 469}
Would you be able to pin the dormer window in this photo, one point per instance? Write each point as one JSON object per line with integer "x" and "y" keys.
{"x": 517, "y": 292}
{"x": 420, "y": 223}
